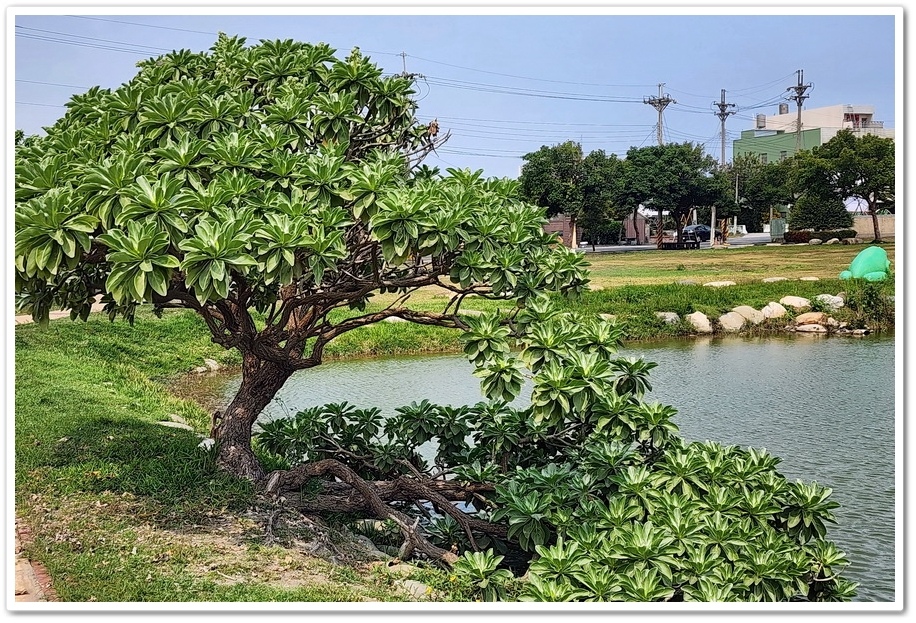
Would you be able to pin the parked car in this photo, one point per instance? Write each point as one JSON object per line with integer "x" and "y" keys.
{"x": 699, "y": 232}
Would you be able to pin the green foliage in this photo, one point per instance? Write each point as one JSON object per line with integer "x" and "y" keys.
{"x": 868, "y": 300}
{"x": 600, "y": 497}
{"x": 230, "y": 174}
{"x": 862, "y": 167}
{"x": 806, "y": 235}
{"x": 761, "y": 188}
{"x": 562, "y": 180}
{"x": 819, "y": 213}
{"x": 479, "y": 569}
{"x": 676, "y": 177}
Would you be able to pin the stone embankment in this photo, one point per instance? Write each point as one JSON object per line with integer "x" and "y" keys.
{"x": 743, "y": 317}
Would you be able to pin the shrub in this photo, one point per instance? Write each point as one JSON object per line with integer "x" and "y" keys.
{"x": 806, "y": 234}
{"x": 819, "y": 214}
{"x": 590, "y": 491}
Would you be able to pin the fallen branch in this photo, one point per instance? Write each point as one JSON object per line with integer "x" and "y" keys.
{"x": 277, "y": 482}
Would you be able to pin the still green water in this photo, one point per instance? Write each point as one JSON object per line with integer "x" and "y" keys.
{"x": 824, "y": 405}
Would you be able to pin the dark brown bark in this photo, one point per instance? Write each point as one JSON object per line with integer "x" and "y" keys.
{"x": 874, "y": 220}
{"x": 261, "y": 380}
{"x": 341, "y": 498}
{"x": 413, "y": 538}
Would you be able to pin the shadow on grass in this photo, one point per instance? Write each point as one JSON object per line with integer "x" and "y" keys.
{"x": 161, "y": 464}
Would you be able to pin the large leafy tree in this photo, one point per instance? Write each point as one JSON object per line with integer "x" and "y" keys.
{"x": 564, "y": 181}
{"x": 818, "y": 204}
{"x": 270, "y": 189}
{"x": 761, "y": 188}
{"x": 678, "y": 177}
{"x": 273, "y": 190}
{"x": 861, "y": 167}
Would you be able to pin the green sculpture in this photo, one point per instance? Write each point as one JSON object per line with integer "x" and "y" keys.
{"x": 870, "y": 264}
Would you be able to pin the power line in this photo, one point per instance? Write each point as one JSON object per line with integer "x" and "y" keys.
{"x": 496, "y": 73}
{"x": 799, "y": 97}
{"x": 81, "y": 44}
{"x": 118, "y": 21}
{"x": 516, "y": 121}
{"x": 503, "y": 90}
{"x": 38, "y": 104}
{"x": 201, "y": 32}
{"x": 53, "y": 84}
{"x": 68, "y": 34}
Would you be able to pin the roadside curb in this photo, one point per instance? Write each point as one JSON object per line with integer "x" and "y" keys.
{"x": 33, "y": 582}
{"x": 55, "y": 315}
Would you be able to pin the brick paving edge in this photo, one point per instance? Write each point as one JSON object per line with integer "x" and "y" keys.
{"x": 42, "y": 577}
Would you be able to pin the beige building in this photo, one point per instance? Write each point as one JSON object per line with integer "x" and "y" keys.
{"x": 829, "y": 119}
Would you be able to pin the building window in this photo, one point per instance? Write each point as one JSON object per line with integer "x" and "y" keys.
{"x": 763, "y": 158}
{"x": 783, "y": 155}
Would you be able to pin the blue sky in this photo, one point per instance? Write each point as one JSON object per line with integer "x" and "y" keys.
{"x": 504, "y": 85}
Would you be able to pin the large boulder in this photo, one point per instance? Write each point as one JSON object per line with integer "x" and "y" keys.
{"x": 731, "y": 322}
{"x": 749, "y": 313}
{"x": 700, "y": 322}
{"x": 719, "y": 284}
{"x": 795, "y": 302}
{"x": 811, "y": 328}
{"x": 773, "y": 310}
{"x": 668, "y": 317}
{"x": 773, "y": 279}
{"x": 811, "y": 318}
{"x": 830, "y": 301}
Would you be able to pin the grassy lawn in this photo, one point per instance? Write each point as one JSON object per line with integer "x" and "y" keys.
{"x": 739, "y": 264}
{"x": 124, "y": 509}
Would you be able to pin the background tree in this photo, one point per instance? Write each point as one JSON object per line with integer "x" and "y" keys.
{"x": 677, "y": 177}
{"x": 761, "y": 187}
{"x": 562, "y": 180}
{"x": 862, "y": 167}
{"x": 601, "y": 178}
{"x": 269, "y": 189}
{"x": 552, "y": 178}
{"x": 818, "y": 204}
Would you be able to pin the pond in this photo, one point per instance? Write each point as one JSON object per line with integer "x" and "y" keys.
{"x": 824, "y": 405}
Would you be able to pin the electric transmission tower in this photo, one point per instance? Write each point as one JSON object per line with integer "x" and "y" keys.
{"x": 799, "y": 97}
{"x": 723, "y": 114}
{"x": 659, "y": 103}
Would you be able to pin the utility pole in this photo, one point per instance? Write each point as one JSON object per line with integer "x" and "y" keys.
{"x": 659, "y": 103}
{"x": 799, "y": 97}
{"x": 403, "y": 56}
{"x": 723, "y": 114}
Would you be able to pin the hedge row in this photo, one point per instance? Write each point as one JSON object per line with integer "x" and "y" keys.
{"x": 805, "y": 235}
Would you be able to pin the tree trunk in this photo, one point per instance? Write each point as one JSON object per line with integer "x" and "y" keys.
{"x": 261, "y": 380}
{"x": 874, "y": 220}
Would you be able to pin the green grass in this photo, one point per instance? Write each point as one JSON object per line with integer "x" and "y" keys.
{"x": 739, "y": 264}
{"x": 123, "y": 509}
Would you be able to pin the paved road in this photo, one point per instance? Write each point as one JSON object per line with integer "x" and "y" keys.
{"x": 742, "y": 241}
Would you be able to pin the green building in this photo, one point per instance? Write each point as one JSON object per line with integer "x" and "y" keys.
{"x": 774, "y": 145}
